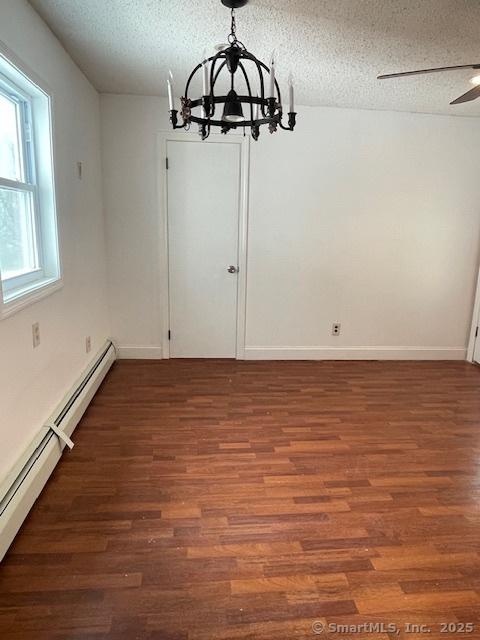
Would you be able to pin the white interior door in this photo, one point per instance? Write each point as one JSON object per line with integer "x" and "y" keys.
{"x": 203, "y": 212}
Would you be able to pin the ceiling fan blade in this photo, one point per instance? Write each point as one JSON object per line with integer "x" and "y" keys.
{"x": 473, "y": 94}
{"x": 420, "y": 71}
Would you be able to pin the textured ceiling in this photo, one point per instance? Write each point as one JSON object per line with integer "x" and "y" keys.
{"x": 335, "y": 48}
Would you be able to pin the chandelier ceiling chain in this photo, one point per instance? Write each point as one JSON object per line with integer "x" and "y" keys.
{"x": 263, "y": 108}
{"x": 233, "y": 36}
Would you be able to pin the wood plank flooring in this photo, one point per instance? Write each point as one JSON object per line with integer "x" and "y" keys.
{"x": 222, "y": 500}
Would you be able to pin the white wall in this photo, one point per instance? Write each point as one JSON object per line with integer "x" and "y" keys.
{"x": 370, "y": 219}
{"x": 133, "y": 227}
{"x": 32, "y": 381}
{"x": 366, "y": 218}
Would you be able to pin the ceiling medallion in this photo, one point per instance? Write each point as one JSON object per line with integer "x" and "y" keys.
{"x": 233, "y": 110}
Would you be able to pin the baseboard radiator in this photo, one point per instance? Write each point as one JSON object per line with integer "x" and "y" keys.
{"x": 26, "y": 480}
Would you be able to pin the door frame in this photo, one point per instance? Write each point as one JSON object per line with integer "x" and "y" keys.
{"x": 244, "y": 143}
{"x": 475, "y": 322}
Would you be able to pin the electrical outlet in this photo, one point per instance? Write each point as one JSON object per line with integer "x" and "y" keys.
{"x": 35, "y": 334}
{"x": 336, "y": 329}
{"x": 88, "y": 344}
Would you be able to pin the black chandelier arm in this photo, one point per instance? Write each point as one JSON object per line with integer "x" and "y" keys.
{"x": 231, "y": 125}
{"x": 207, "y": 122}
{"x": 204, "y": 130}
{"x": 292, "y": 121}
{"x": 247, "y": 82}
{"x": 252, "y": 58}
{"x": 262, "y": 65}
{"x": 187, "y": 86}
{"x": 221, "y": 99}
{"x": 214, "y": 59}
{"x": 213, "y": 80}
{"x": 262, "y": 82}
{"x": 174, "y": 120}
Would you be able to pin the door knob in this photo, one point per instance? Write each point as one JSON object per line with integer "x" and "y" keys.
{"x": 232, "y": 269}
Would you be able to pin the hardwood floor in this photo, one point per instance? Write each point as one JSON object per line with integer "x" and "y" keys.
{"x": 230, "y": 500}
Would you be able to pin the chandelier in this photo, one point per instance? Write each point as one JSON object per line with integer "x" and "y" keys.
{"x": 232, "y": 110}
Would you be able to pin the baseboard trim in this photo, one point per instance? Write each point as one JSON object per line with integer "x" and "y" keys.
{"x": 139, "y": 352}
{"x": 25, "y": 481}
{"x": 355, "y": 353}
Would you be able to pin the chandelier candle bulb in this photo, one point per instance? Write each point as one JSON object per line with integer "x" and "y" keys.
{"x": 291, "y": 106}
{"x": 170, "y": 90}
{"x": 205, "y": 70}
{"x": 272, "y": 77}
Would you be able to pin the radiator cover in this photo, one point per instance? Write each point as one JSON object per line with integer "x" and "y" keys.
{"x": 23, "y": 484}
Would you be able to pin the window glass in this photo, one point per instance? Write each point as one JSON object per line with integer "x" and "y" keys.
{"x": 10, "y": 154}
{"x": 18, "y": 254}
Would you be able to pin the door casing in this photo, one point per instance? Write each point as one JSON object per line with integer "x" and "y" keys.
{"x": 475, "y": 323}
{"x": 164, "y": 297}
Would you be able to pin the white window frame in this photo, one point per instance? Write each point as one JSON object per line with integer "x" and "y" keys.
{"x": 34, "y": 98}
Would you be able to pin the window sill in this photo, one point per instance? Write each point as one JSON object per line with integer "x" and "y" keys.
{"x": 20, "y": 300}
